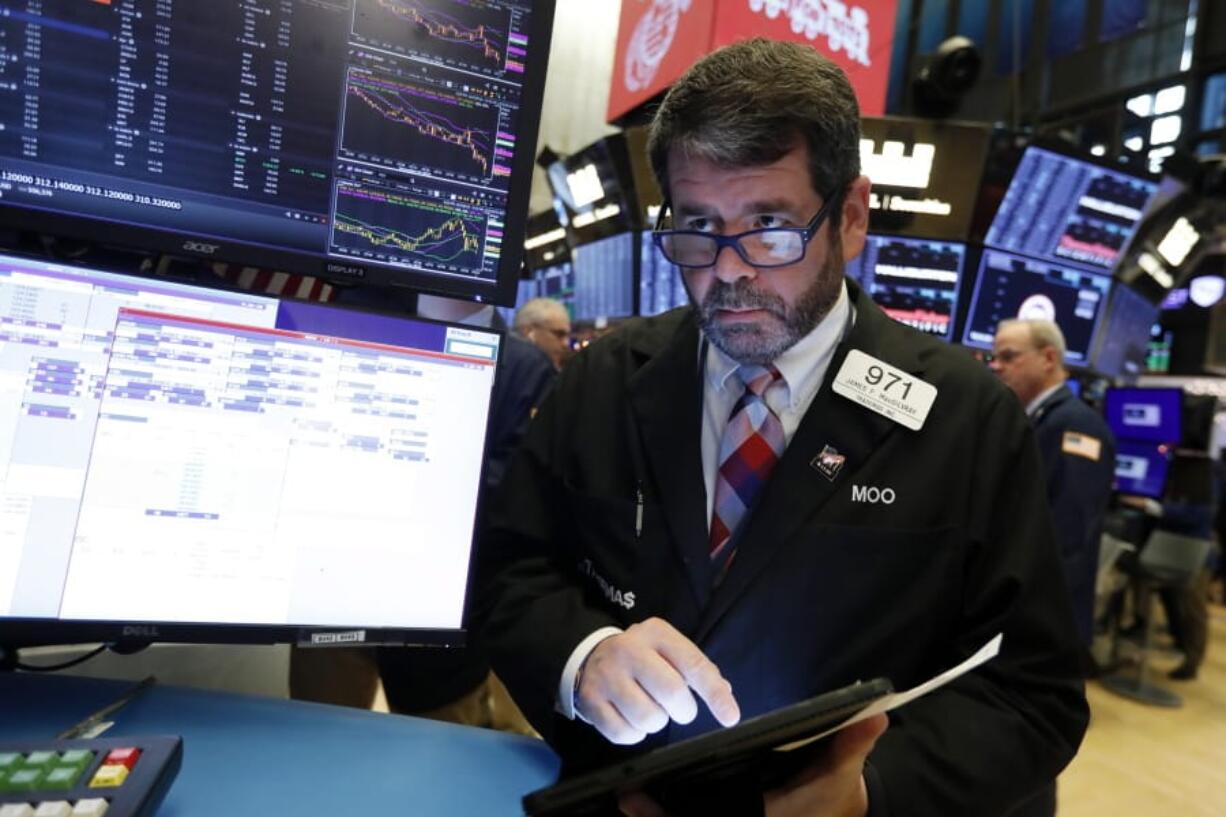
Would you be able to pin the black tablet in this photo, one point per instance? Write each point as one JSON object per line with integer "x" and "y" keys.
{"x": 747, "y": 758}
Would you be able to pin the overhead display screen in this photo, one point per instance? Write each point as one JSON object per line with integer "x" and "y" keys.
{"x": 1064, "y": 209}
{"x": 1013, "y": 286}
{"x": 914, "y": 281}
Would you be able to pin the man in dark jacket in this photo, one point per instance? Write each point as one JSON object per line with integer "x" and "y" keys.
{"x": 780, "y": 491}
{"x": 1078, "y": 450}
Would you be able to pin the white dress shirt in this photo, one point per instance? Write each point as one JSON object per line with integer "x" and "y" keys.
{"x": 803, "y": 369}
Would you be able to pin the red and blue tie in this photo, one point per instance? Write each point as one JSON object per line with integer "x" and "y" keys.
{"x": 752, "y": 444}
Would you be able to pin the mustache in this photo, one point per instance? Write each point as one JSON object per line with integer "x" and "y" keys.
{"x": 741, "y": 295}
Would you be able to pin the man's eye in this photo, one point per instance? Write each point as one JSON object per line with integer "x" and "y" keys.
{"x": 767, "y": 222}
{"x": 702, "y": 225}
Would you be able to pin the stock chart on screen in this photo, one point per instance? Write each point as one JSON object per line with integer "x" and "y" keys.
{"x": 1064, "y": 209}
{"x": 376, "y": 139}
{"x": 914, "y": 281}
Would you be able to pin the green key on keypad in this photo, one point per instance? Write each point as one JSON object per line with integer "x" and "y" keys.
{"x": 76, "y": 757}
{"x": 9, "y": 760}
{"x": 24, "y": 780}
{"x": 62, "y": 777}
{"x": 40, "y": 760}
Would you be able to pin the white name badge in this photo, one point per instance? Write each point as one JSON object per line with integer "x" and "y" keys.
{"x": 882, "y": 388}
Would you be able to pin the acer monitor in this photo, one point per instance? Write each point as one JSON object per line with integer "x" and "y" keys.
{"x": 388, "y": 142}
{"x": 191, "y": 464}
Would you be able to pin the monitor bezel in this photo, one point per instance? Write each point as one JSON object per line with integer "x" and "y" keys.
{"x": 341, "y": 269}
{"x": 17, "y": 631}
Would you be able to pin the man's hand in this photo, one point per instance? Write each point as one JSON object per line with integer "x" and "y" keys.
{"x": 634, "y": 683}
{"x": 834, "y": 785}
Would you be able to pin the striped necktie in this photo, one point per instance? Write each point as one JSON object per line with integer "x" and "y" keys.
{"x": 752, "y": 444}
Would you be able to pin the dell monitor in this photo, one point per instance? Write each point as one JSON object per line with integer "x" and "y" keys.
{"x": 191, "y": 464}
{"x": 369, "y": 141}
{"x": 604, "y": 278}
{"x": 1151, "y": 415}
{"x": 1070, "y": 210}
{"x": 914, "y": 281}
{"x": 1012, "y": 286}
{"x": 1141, "y": 469}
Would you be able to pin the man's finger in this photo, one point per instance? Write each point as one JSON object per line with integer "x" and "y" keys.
{"x": 851, "y": 746}
{"x": 664, "y": 684}
{"x": 703, "y": 677}
{"x": 610, "y": 723}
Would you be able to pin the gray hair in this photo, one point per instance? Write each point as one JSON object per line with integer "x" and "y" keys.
{"x": 748, "y": 104}
{"x": 1043, "y": 334}
{"x": 536, "y": 311}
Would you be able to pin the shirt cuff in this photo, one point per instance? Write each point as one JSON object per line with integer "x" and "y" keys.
{"x": 566, "y": 687}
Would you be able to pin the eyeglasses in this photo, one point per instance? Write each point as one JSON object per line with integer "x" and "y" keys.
{"x": 763, "y": 248}
{"x": 1007, "y": 356}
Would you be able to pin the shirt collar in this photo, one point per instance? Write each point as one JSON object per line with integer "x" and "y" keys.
{"x": 799, "y": 363}
{"x": 1033, "y": 405}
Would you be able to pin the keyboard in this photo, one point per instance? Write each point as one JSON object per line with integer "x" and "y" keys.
{"x": 96, "y": 777}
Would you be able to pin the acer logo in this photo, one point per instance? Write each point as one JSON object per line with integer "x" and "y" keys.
{"x": 142, "y": 630}
{"x": 200, "y": 247}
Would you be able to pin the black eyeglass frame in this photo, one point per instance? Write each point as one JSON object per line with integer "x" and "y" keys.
{"x": 658, "y": 235}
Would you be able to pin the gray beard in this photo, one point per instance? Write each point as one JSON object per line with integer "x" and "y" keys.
{"x": 762, "y": 343}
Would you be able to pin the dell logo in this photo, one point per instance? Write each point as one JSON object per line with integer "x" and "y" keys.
{"x": 140, "y": 630}
{"x": 872, "y": 494}
{"x": 201, "y": 247}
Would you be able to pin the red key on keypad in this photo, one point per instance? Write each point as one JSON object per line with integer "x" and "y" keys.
{"x": 122, "y": 757}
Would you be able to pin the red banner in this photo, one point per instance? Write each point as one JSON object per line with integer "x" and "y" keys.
{"x": 856, "y": 35}
{"x": 658, "y": 40}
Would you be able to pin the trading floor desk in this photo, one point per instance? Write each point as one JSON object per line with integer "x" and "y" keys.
{"x": 262, "y": 756}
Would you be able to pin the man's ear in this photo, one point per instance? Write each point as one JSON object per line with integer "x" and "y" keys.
{"x": 854, "y": 224}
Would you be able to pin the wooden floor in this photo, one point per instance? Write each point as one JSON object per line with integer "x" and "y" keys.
{"x": 1140, "y": 760}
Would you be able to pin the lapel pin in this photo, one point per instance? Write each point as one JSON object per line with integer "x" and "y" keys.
{"x": 828, "y": 463}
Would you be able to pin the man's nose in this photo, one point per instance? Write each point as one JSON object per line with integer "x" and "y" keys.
{"x": 730, "y": 267}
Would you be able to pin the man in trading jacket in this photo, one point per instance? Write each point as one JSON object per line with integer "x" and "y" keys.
{"x": 778, "y": 491}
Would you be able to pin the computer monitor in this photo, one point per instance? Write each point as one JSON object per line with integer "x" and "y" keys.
{"x": 1014, "y": 286}
{"x": 1145, "y": 414}
{"x": 1123, "y": 337}
{"x": 190, "y": 464}
{"x": 1067, "y": 209}
{"x": 660, "y": 284}
{"x": 1141, "y": 468}
{"x": 604, "y": 278}
{"x": 915, "y": 281}
{"x": 381, "y": 141}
